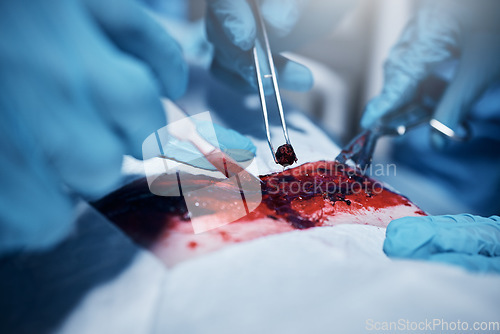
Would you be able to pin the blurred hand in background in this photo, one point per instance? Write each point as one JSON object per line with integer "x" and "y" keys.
{"x": 442, "y": 31}
{"x": 80, "y": 86}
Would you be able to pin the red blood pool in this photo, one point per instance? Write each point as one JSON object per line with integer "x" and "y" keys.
{"x": 310, "y": 194}
{"x": 286, "y": 155}
{"x": 322, "y": 193}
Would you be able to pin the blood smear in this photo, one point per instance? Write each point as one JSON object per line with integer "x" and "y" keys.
{"x": 311, "y": 195}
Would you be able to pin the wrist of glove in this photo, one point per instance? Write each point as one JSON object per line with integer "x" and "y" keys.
{"x": 442, "y": 31}
{"x": 231, "y": 142}
{"x": 80, "y": 86}
{"x": 471, "y": 242}
{"x": 232, "y": 29}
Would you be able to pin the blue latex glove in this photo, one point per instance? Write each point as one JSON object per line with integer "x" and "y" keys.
{"x": 231, "y": 28}
{"x": 237, "y": 146}
{"x": 472, "y": 242}
{"x": 80, "y": 85}
{"x": 441, "y": 31}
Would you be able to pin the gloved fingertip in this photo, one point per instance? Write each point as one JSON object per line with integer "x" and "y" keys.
{"x": 281, "y": 15}
{"x": 135, "y": 151}
{"x": 391, "y": 247}
{"x": 237, "y": 21}
{"x": 495, "y": 219}
{"x": 251, "y": 147}
{"x": 379, "y": 106}
{"x": 241, "y": 35}
{"x": 144, "y": 128}
{"x": 239, "y": 142}
{"x": 373, "y": 110}
{"x": 174, "y": 76}
{"x": 295, "y": 76}
{"x": 367, "y": 120}
{"x": 229, "y": 139}
{"x": 247, "y": 145}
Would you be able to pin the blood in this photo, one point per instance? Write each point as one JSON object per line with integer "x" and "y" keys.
{"x": 299, "y": 198}
{"x": 225, "y": 236}
{"x": 286, "y": 155}
{"x": 308, "y": 195}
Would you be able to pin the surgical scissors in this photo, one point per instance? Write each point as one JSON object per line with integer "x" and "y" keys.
{"x": 267, "y": 50}
{"x": 360, "y": 150}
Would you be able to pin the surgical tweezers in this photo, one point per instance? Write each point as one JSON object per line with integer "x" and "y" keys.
{"x": 360, "y": 150}
{"x": 267, "y": 49}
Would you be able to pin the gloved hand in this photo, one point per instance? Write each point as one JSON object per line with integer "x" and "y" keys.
{"x": 232, "y": 29}
{"x": 234, "y": 144}
{"x": 469, "y": 241}
{"x": 80, "y": 85}
{"x": 440, "y": 32}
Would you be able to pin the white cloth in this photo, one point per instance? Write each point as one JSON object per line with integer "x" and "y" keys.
{"x": 323, "y": 280}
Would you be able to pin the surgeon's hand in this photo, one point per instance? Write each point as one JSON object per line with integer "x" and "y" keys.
{"x": 232, "y": 29}
{"x": 233, "y": 143}
{"x": 442, "y": 31}
{"x": 469, "y": 241}
{"x": 80, "y": 86}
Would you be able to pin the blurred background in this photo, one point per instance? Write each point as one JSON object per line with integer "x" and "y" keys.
{"x": 347, "y": 62}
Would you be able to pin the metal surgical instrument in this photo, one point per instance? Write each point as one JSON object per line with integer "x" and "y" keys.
{"x": 272, "y": 75}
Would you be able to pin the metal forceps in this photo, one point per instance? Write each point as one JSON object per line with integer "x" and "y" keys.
{"x": 267, "y": 49}
{"x": 360, "y": 150}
